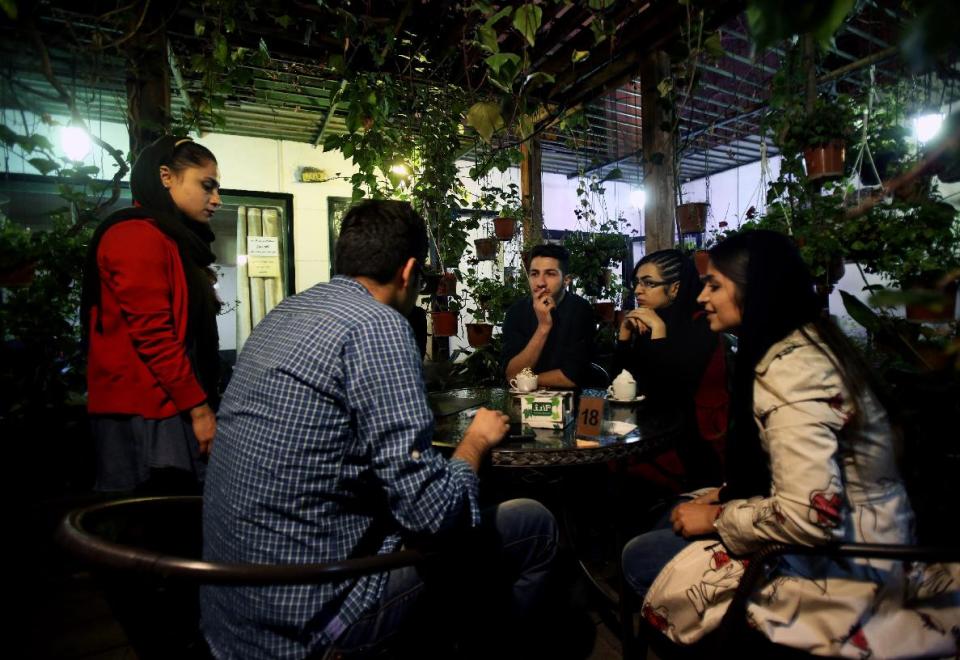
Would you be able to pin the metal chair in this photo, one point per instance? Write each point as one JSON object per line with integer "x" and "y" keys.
{"x": 147, "y": 553}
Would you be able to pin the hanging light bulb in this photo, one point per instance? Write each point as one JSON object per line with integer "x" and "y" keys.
{"x": 927, "y": 126}
{"x": 75, "y": 142}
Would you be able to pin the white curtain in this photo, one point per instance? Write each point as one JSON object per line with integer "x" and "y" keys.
{"x": 256, "y": 296}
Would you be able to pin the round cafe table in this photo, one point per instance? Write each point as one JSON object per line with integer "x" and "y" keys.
{"x": 656, "y": 429}
{"x": 545, "y": 450}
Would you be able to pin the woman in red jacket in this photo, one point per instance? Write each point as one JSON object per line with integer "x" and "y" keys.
{"x": 150, "y": 310}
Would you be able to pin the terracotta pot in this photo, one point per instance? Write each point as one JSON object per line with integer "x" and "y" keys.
{"x": 444, "y": 324}
{"x": 825, "y": 160}
{"x": 487, "y": 248}
{"x": 504, "y": 228}
{"x": 947, "y": 313}
{"x": 692, "y": 217}
{"x": 479, "y": 334}
{"x": 447, "y": 286}
{"x": 21, "y": 275}
{"x": 701, "y": 258}
{"x": 604, "y": 311}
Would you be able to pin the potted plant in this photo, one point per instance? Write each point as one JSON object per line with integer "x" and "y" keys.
{"x": 491, "y": 298}
{"x": 510, "y": 212}
{"x": 447, "y": 284}
{"x": 445, "y": 317}
{"x": 821, "y": 135}
{"x": 486, "y": 248}
{"x": 692, "y": 217}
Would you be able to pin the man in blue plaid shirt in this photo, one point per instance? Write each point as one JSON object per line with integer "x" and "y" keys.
{"x": 323, "y": 452}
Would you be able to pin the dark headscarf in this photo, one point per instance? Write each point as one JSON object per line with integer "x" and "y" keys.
{"x": 193, "y": 241}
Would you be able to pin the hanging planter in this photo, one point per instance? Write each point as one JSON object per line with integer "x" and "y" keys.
{"x": 444, "y": 323}
{"x": 604, "y": 311}
{"x": 479, "y": 334}
{"x": 692, "y": 217}
{"x": 487, "y": 248}
{"x": 504, "y": 228}
{"x": 701, "y": 258}
{"x": 21, "y": 275}
{"x": 447, "y": 286}
{"x": 946, "y": 311}
{"x": 825, "y": 160}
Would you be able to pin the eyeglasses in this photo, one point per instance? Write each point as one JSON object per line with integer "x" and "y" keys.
{"x": 647, "y": 283}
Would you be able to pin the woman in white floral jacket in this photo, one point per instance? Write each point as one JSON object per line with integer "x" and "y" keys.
{"x": 808, "y": 420}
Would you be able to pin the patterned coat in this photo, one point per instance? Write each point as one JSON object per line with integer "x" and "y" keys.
{"x": 834, "y": 479}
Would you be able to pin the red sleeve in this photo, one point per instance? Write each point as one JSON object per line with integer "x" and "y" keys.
{"x": 139, "y": 269}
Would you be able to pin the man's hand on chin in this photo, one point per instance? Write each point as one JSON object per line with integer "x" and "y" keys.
{"x": 543, "y": 304}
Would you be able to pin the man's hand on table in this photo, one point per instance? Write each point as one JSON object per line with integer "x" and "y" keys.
{"x": 486, "y": 431}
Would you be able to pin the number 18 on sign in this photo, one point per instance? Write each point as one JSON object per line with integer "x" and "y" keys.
{"x": 590, "y": 416}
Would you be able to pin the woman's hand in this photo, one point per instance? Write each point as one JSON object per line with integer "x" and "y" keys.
{"x": 204, "y": 426}
{"x": 691, "y": 519}
{"x": 632, "y": 324}
{"x": 649, "y": 319}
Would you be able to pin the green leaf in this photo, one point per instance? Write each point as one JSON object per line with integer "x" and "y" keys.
{"x": 10, "y": 8}
{"x": 599, "y": 33}
{"x": 485, "y": 117}
{"x": 579, "y": 55}
{"x": 525, "y": 126}
{"x": 527, "y": 21}
{"x": 664, "y": 87}
{"x": 506, "y": 11}
{"x": 538, "y": 78}
{"x": 220, "y": 49}
{"x": 199, "y": 27}
{"x": 713, "y": 46}
{"x": 613, "y": 175}
{"x": 44, "y": 165}
{"x": 283, "y": 21}
{"x": 599, "y": 5}
{"x": 860, "y": 313}
{"x": 497, "y": 60}
{"x": 7, "y": 136}
{"x": 488, "y": 38}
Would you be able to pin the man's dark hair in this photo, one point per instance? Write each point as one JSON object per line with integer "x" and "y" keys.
{"x": 552, "y": 251}
{"x": 377, "y": 237}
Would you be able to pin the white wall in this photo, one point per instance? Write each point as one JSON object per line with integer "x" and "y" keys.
{"x": 732, "y": 193}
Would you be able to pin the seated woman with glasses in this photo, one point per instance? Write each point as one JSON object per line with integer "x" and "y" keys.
{"x": 667, "y": 345}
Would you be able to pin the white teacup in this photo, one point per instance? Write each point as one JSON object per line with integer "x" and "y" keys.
{"x": 624, "y": 387}
{"x": 524, "y": 383}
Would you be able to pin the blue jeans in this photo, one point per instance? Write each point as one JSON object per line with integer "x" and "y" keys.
{"x": 645, "y": 556}
{"x": 497, "y": 571}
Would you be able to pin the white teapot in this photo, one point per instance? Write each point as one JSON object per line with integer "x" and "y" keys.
{"x": 624, "y": 387}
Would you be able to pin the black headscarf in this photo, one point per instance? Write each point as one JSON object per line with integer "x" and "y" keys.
{"x": 193, "y": 241}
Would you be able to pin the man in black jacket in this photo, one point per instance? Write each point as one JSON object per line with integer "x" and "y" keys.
{"x": 552, "y": 331}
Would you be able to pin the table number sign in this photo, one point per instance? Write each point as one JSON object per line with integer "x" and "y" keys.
{"x": 590, "y": 416}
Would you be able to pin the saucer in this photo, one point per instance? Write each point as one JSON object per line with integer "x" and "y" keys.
{"x": 514, "y": 390}
{"x": 636, "y": 399}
